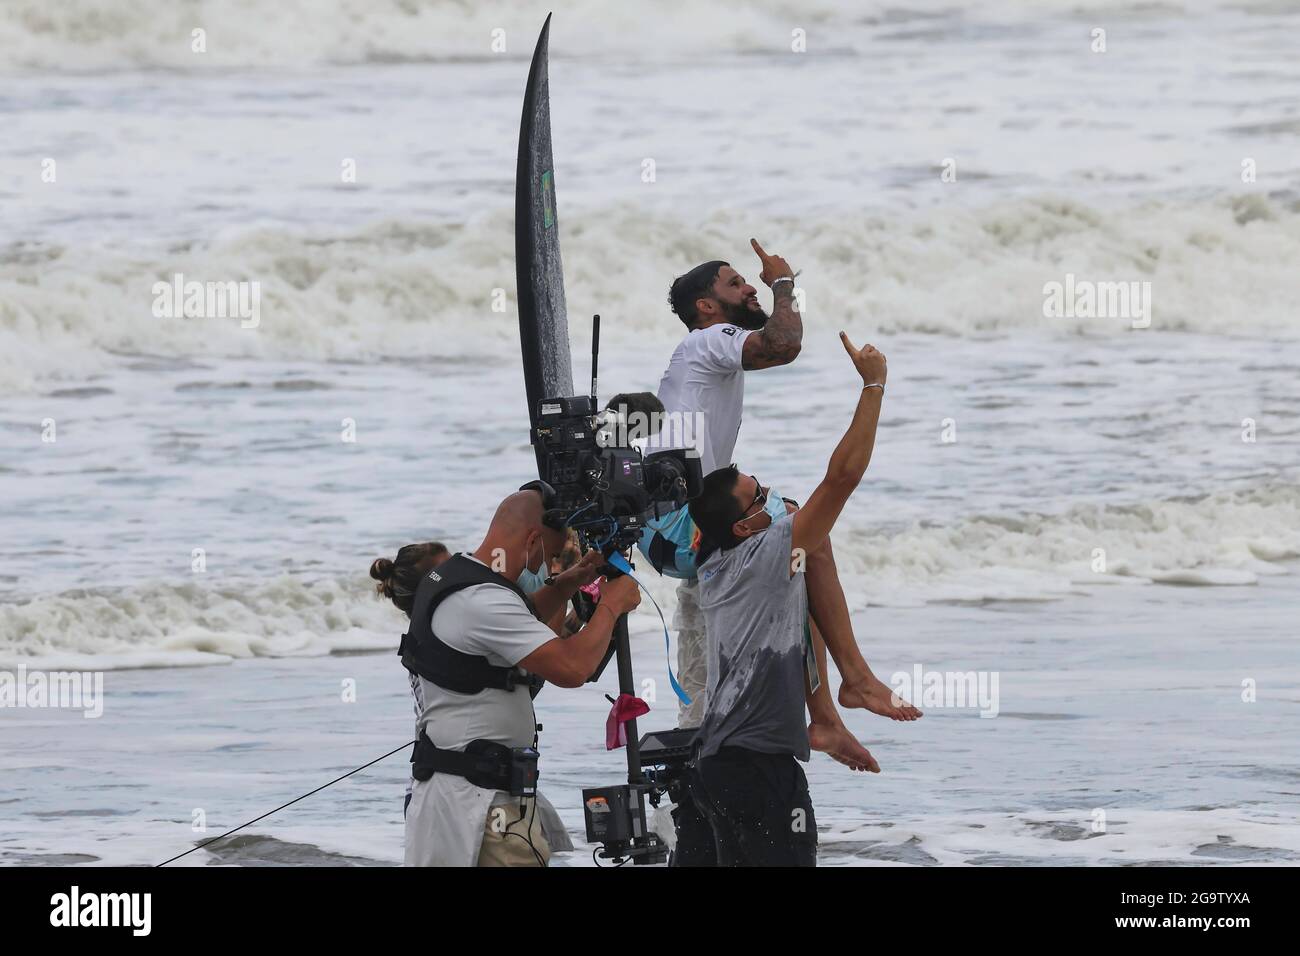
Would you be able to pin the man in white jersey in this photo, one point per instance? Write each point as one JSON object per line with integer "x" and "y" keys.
{"x": 704, "y": 388}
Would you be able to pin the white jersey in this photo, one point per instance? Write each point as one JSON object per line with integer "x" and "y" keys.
{"x": 705, "y": 385}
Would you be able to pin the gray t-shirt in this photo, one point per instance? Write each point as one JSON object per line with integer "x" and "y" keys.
{"x": 754, "y": 614}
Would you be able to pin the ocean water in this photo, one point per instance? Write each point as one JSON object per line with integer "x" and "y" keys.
{"x": 1102, "y": 511}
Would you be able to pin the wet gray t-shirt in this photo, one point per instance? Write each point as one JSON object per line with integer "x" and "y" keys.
{"x": 754, "y": 614}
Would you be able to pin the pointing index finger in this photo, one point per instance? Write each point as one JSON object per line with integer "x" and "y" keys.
{"x": 758, "y": 248}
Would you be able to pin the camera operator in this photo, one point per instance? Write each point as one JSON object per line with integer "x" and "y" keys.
{"x": 481, "y": 651}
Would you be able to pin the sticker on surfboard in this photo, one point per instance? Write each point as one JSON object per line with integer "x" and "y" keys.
{"x": 548, "y": 199}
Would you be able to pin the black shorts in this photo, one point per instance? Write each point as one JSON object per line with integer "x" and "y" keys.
{"x": 758, "y": 807}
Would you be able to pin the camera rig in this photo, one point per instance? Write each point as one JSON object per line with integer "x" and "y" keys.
{"x": 607, "y": 490}
{"x": 616, "y": 815}
{"x": 604, "y": 488}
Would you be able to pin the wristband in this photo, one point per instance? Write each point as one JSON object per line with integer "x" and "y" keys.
{"x": 879, "y": 385}
{"x": 789, "y": 279}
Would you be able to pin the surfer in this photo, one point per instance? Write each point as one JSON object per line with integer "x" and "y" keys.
{"x": 728, "y": 334}
{"x": 747, "y": 776}
{"x": 480, "y": 650}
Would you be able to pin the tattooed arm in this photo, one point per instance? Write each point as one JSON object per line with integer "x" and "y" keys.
{"x": 779, "y": 341}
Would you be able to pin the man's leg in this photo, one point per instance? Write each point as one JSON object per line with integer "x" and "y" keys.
{"x": 760, "y": 808}
{"x": 695, "y": 842}
{"x": 728, "y": 797}
{"x": 692, "y": 652}
{"x": 695, "y": 837}
{"x": 829, "y": 609}
{"x": 826, "y": 729}
{"x": 803, "y": 844}
{"x": 512, "y": 837}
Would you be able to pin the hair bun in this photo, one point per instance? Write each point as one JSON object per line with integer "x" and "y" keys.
{"x": 381, "y": 569}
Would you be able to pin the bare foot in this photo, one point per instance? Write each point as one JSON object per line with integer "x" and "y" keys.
{"x": 842, "y": 746}
{"x": 878, "y": 697}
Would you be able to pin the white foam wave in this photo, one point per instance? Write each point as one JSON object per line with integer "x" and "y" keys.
{"x": 1223, "y": 539}
{"x": 401, "y": 289}
{"x": 1219, "y": 540}
{"x": 168, "y": 625}
{"x": 80, "y": 35}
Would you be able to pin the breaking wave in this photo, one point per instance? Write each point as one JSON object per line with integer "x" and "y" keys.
{"x": 1219, "y": 540}
{"x": 397, "y": 289}
{"x": 84, "y": 35}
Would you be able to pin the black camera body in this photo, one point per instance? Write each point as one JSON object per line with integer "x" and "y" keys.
{"x": 606, "y": 490}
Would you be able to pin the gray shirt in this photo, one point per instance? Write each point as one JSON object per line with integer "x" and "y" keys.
{"x": 754, "y": 614}
{"x": 447, "y": 815}
{"x": 488, "y": 621}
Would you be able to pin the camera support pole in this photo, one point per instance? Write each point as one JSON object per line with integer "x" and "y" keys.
{"x": 627, "y": 685}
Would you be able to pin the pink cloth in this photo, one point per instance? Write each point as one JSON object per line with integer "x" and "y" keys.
{"x": 625, "y": 708}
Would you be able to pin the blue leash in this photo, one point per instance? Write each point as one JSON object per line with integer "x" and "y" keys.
{"x": 619, "y": 562}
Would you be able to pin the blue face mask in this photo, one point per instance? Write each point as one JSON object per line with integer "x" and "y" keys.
{"x": 530, "y": 581}
{"x": 774, "y": 506}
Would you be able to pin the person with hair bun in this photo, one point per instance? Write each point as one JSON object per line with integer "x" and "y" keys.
{"x": 399, "y": 578}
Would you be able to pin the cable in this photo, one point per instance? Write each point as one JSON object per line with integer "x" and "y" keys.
{"x": 600, "y": 866}
{"x": 531, "y": 817}
{"x": 587, "y": 507}
{"x": 289, "y": 804}
{"x": 529, "y": 838}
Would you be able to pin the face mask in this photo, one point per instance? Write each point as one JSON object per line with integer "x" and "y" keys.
{"x": 530, "y": 581}
{"x": 774, "y": 506}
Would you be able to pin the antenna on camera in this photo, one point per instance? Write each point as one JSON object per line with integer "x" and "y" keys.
{"x": 595, "y": 356}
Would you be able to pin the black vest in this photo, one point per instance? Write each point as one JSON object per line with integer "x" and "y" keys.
{"x": 424, "y": 654}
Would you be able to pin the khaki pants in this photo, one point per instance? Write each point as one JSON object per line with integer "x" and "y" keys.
{"x": 692, "y": 653}
{"x": 506, "y": 837}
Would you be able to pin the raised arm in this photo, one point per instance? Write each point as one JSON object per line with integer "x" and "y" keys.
{"x": 813, "y": 522}
{"x": 779, "y": 341}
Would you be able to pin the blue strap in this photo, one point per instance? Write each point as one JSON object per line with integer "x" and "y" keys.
{"x": 619, "y": 562}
